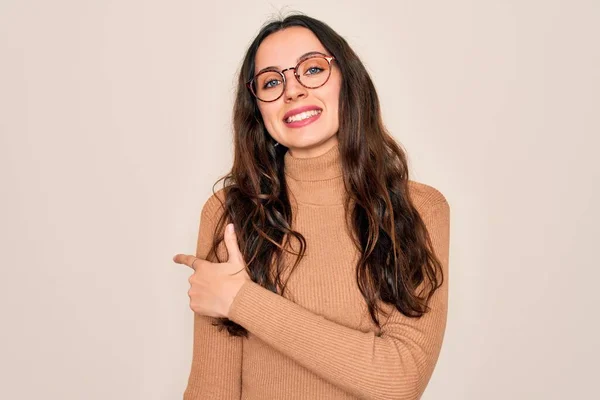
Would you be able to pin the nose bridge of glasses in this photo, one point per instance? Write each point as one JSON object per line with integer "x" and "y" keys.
{"x": 295, "y": 81}
{"x": 293, "y": 69}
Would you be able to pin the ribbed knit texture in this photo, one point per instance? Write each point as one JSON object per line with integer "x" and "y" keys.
{"x": 318, "y": 340}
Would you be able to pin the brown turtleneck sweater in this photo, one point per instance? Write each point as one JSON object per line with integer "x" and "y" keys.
{"x": 318, "y": 340}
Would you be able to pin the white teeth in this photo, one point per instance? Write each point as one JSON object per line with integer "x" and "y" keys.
{"x": 303, "y": 115}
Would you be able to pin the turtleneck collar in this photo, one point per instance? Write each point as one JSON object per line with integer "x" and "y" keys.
{"x": 326, "y": 166}
{"x": 316, "y": 180}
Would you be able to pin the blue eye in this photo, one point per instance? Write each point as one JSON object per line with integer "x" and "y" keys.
{"x": 314, "y": 70}
{"x": 271, "y": 84}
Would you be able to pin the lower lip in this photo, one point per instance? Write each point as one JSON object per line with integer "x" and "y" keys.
{"x": 304, "y": 122}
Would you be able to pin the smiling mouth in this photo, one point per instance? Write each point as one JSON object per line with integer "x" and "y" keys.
{"x": 302, "y": 116}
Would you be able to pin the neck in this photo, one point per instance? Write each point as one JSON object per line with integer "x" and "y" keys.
{"x": 316, "y": 180}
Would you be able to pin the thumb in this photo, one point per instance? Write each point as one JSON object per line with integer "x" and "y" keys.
{"x": 233, "y": 249}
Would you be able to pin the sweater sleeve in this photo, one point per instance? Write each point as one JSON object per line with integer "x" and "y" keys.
{"x": 395, "y": 364}
{"x": 216, "y": 371}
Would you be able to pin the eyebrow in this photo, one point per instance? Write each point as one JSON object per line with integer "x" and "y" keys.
{"x": 305, "y": 55}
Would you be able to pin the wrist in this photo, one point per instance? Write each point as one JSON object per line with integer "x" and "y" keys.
{"x": 236, "y": 288}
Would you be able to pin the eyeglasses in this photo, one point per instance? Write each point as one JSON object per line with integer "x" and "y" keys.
{"x": 311, "y": 72}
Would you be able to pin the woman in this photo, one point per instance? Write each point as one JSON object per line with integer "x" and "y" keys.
{"x": 332, "y": 284}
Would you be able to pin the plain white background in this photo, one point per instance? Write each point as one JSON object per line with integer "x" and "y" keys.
{"x": 115, "y": 123}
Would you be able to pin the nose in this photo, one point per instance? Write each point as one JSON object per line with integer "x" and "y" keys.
{"x": 293, "y": 88}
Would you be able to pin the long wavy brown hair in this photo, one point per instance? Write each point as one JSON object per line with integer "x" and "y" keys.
{"x": 396, "y": 251}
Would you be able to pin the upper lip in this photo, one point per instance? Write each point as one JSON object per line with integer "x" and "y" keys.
{"x": 299, "y": 110}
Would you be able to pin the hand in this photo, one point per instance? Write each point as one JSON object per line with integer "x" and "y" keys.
{"x": 215, "y": 285}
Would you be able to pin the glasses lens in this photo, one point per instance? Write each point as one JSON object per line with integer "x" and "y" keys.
{"x": 268, "y": 85}
{"x": 314, "y": 72}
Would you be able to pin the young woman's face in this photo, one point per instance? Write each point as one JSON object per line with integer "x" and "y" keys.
{"x": 314, "y": 136}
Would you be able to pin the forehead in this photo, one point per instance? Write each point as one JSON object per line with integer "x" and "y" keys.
{"x": 282, "y": 49}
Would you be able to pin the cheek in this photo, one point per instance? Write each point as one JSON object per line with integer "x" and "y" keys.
{"x": 333, "y": 99}
{"x": 334, "y": 102}
{"x": 269, "y": 116}
{"x": 267, "y": 111}
{"x": 334, "y": 93}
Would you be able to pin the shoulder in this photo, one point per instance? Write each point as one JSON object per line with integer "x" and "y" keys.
{"x": 426, "y": 198}
{"x": 213, "y": 207}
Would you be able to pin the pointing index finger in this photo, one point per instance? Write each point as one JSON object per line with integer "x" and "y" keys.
{"x": 185, "y": 259}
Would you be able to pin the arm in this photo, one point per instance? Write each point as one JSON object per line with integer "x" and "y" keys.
{"x": 396, "y": 364}
{"x": 216, "y": 371}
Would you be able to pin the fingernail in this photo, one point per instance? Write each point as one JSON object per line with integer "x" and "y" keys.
{"x": 230, "y": 228}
